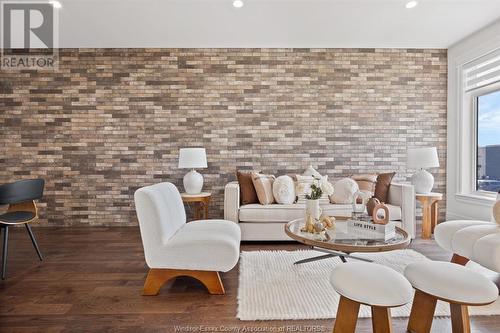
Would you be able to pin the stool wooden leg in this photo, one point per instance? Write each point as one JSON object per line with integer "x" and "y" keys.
{"x": 347, "y": 316}
{"x": 381, "y": 319}
{"x": 460, "y": 322}
{"x": 422, "y": 312}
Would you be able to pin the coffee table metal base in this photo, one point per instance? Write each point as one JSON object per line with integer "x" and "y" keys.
{"x": 329, "y": 254}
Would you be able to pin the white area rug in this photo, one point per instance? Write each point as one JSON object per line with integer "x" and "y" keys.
{"x": 271, "y": 287}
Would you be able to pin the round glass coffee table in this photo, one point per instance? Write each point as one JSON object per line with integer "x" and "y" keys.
{"x": 341, "y": 241}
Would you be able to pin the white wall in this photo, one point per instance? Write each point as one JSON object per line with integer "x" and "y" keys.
{"x": 461, "y": 202}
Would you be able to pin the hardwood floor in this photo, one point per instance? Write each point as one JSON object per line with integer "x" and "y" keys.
{"x": 91, "y": 281}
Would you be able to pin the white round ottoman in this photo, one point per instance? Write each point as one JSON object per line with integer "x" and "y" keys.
{"x": 449, "y": 282}
{"x": 370, "y": 284}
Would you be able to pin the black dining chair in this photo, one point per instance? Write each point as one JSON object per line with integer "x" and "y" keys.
{"x": 22, "y": 209}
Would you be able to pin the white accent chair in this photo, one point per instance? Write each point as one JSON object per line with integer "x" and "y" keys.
{"x": 199, "y": 249}
{"x": 377, "y": 286}
{"x": 448, "y": 282}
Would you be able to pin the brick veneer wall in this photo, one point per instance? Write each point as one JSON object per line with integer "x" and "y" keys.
{"x": 111, "y": 120}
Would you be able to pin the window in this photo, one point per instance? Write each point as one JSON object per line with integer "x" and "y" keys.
{"x": 487, "y": 107}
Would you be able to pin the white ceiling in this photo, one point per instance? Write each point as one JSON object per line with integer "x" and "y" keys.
{"x": 271, "y": 23}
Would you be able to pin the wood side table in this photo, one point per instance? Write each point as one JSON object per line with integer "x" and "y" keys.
{"x": 430, "y": 212}
{"x": 202, "y": 201}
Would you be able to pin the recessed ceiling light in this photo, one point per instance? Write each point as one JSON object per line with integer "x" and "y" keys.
{"x": 56, "y": 4}
{"x": 411, "y": 4}
{"x": 238, "y": 3}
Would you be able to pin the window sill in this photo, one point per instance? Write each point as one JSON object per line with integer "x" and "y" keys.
{"x": 477, "y": 198}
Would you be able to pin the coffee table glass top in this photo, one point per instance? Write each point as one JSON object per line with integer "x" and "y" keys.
{"x": 342, "y": 238}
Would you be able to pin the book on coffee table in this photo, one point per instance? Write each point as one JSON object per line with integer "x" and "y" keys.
{"x": 367, "y": 230}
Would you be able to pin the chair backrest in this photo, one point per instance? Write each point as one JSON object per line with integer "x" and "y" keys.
{"x": 161, "y": 213}
{"x": 21, "y": 191}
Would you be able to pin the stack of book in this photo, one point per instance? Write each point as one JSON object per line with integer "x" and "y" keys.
{"x": 355, "y": 229}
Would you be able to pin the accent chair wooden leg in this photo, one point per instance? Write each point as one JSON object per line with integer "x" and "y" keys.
{"x": 460, "y": 322}
{"x": 422, "y": 312}
{"x": 381, "y": 319}
{"x": 158, "y": 277}
{"x": 347, "y": 316}
{"x": 458, "y": 259}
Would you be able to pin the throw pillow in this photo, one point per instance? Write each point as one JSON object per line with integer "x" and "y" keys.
{"x": 264, "y": 187}
{"x": 303, "y": 186}
{"x": 248, "y": 195}
{"x": 284, "y": 190}
{"x": 382, "y": 187}
{"x": 344, "y": 190}
{"x": 366, "y": 183}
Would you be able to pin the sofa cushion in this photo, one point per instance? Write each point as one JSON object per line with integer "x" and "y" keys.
{"x": 248, "y": 195}
{"x": 344, "y": 190}
{"x": 264, "y": 187}
{"x": 382, "y": 187}
{"x": 286, "y": 213}
{"x": 284, "y": 190}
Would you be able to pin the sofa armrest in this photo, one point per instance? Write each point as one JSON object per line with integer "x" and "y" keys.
{"x": 232, "y": 201}
{"x": 403, "y": 195}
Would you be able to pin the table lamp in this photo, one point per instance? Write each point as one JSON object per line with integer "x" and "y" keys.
{"x": 192, "y": 158}
{"x": 422, "y": 158}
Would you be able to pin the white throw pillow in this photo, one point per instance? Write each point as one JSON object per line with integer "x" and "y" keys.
{"x": 344, "y": 190}
{"x": 284, "y": 190}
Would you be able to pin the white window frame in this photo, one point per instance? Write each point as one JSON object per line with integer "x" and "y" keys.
{"x": 474, "y": 95}
{"x": 467, "y": 154}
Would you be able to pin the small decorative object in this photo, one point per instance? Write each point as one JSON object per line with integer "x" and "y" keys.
{"x": 319, "y": 227}
{"x": 370, "y": 205}
{"x": 191, "y": 158}
{"x": 328, "y": 221}
{"x": 313, "y": 210}
{"x": 309, "y": 227}
{"x": 358, "y": 204}
{"x": 421, "y": 158}
{"x": 377, "y": 219}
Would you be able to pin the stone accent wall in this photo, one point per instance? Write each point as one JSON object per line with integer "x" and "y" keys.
{"x": 111, "y": 120}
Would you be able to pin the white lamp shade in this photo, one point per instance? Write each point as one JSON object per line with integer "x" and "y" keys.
{"x": 421, "y": 158}
{"x": 192, "y": 158}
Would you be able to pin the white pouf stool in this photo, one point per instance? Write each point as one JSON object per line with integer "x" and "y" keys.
{"x": 370, "y": 284}
{"x": 449, "y": 282}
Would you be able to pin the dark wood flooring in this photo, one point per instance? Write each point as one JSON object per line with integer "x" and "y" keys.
{"x": 92, "y": 277}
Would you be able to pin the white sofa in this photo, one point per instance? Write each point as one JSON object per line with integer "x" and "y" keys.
{"x": 266, "y": 222}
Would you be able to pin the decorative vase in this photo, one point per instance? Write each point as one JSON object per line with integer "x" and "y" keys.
{"x": 313, "y": 209}
{"x": 358, "y": 204}
{"x": 370, "y": 205}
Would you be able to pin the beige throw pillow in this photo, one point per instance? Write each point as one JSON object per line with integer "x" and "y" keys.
{"x": 264, "y": 187}
{"x": 366, "y": 183}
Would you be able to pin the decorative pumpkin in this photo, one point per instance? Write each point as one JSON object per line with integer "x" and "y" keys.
{"x": 327, "y": 221}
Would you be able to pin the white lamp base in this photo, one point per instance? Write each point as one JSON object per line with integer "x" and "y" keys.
{"x": 193, "y": 182}
{"x": 423, "y": 181}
